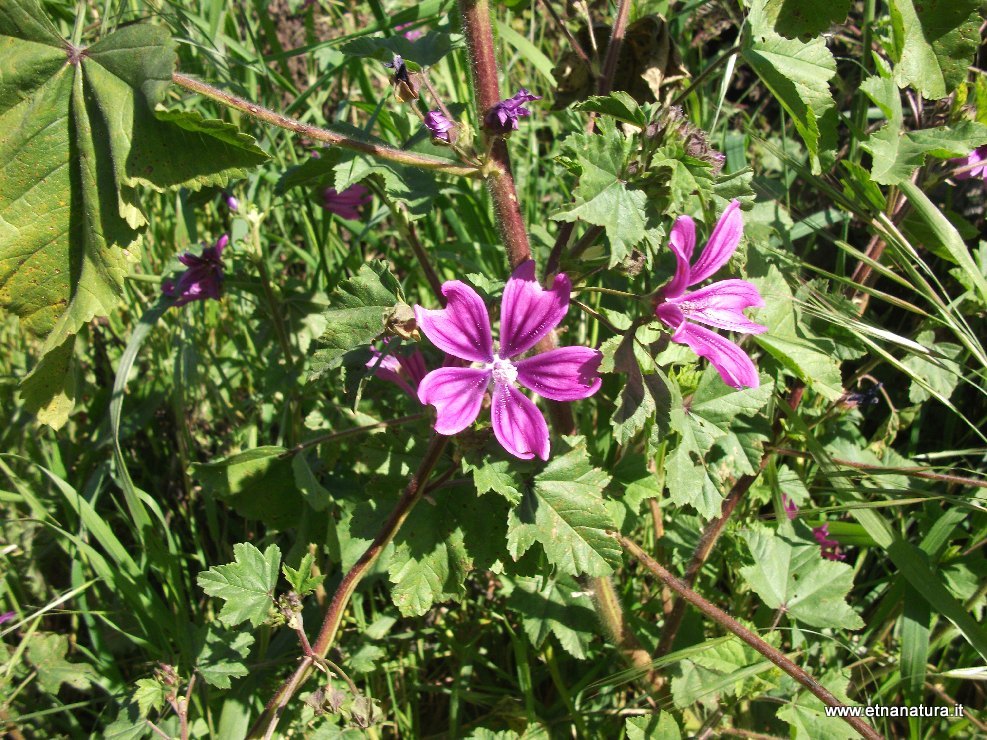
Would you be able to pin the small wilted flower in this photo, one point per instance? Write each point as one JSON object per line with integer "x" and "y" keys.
{"x": 346, "y": 204}
{"x": 404, "y": 82}
{"x": 830, "y": 548}
{"x": 720, "y": 304}
{"x": 204, "y": 277}
{"x": 405, "y": 371}
{"x": 791, "y": 508}
{"x": 440, "y": 126}
{"x": 502, "y": 117}
{"x": 462, "y": 329}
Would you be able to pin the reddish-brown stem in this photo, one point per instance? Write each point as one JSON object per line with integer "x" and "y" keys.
{"x": 261, "y": 113}
{"x": 483, "y": 64}
{"x": 605, "y": 84}
{"x": 268, "y": 721}
{"x": 714, "y": 529}
{"x": 732, "y": 625}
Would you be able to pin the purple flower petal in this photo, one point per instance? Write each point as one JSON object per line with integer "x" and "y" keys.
{"x": 682, "y": 242}
{"x": 462, "y": 328}
{"x": 563, "y": 374}
{"x": 528, "y": 312}
{"x": 721, "y": 304}
{"x": 972, "y": 165}
{"x": 721, "y": 245}
{"x": 391, "y": 369}
{"x": 518, "y": 424}
{"x": 346, "y": 204}
{"x": 7, "y": 616}
{"x": 457, "y": 394}
{"x": 733, "y": 364}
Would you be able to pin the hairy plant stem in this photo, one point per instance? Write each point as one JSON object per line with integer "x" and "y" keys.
{"x": 483, "y": 64}
{"x": 267, "y": 723}
{"x": 732, "y": 625}
{"x": 714, "y": 529}
{"x": 424, "y": 161}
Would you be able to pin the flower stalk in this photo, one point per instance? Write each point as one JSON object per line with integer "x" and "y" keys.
{"x": 412, "y": 159}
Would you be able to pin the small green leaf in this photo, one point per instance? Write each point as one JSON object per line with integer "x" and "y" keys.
{"x": 798, "y": 18}
{"x": 940, "y": 369}
{"x": 555, "y": 605}
{"x": 246, "y": 585}
{"x": 361, "y": 310}
{"x": 46, "y": 652}
{"x": 565, "y": 512}
{"x": 661, "y": 726}
{"x": 302, "y": 581}
{"x": 221, "y": 656}
{"x": 426, "y": 51}
{"x": 493, "y": 472}
{"x": 936, "y": 40}
{"x": 414, "y": 189}
{"x": 807, "y": 715}
{"x": 790, "y": 573}
{"x": 792, "y": 343}
{"x": 151, "y": 695}
{"x": 618, "y": 104}
{"x": 258, "y": 483}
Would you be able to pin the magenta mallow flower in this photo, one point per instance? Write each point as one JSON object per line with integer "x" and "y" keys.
{"x": 720, "y": 304}
{"x": 830, "y": 548}
{"x": 527, "y": 313}
{"x": 405, "y": 371}
{"x": 439, "y": 125}
{"x": 346, "y": 204}
{"x": 791, "y": 508}
{"x": 972, "y": 165}
{"x": 204, "y": 277}
{"x": 502, "y": 117}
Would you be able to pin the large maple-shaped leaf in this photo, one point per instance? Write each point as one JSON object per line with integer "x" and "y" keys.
{"x": 790, "y": 573}
{"x": 564, "y": 511}
{"x": 78, "y": 134}
{"x": 245, "y": 585}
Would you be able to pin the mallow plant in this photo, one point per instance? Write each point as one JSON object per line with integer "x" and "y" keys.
{"x": 351, "y": 394}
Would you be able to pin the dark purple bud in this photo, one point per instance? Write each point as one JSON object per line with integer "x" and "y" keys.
{"x": 502, "y": 118}
{"x": 441, "y": 127}
{"x": 204, "y": 277}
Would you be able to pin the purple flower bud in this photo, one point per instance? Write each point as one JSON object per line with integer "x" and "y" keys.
{"x": 7, "y": 616}
{"x": 440, "y": 126}
{"x": 232, "y": 203}
{"x": 346, "y": 204}
{"x": 204, "y": 277}
{"x": 502, "y": 118}
{"x": 791, "y": 508}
